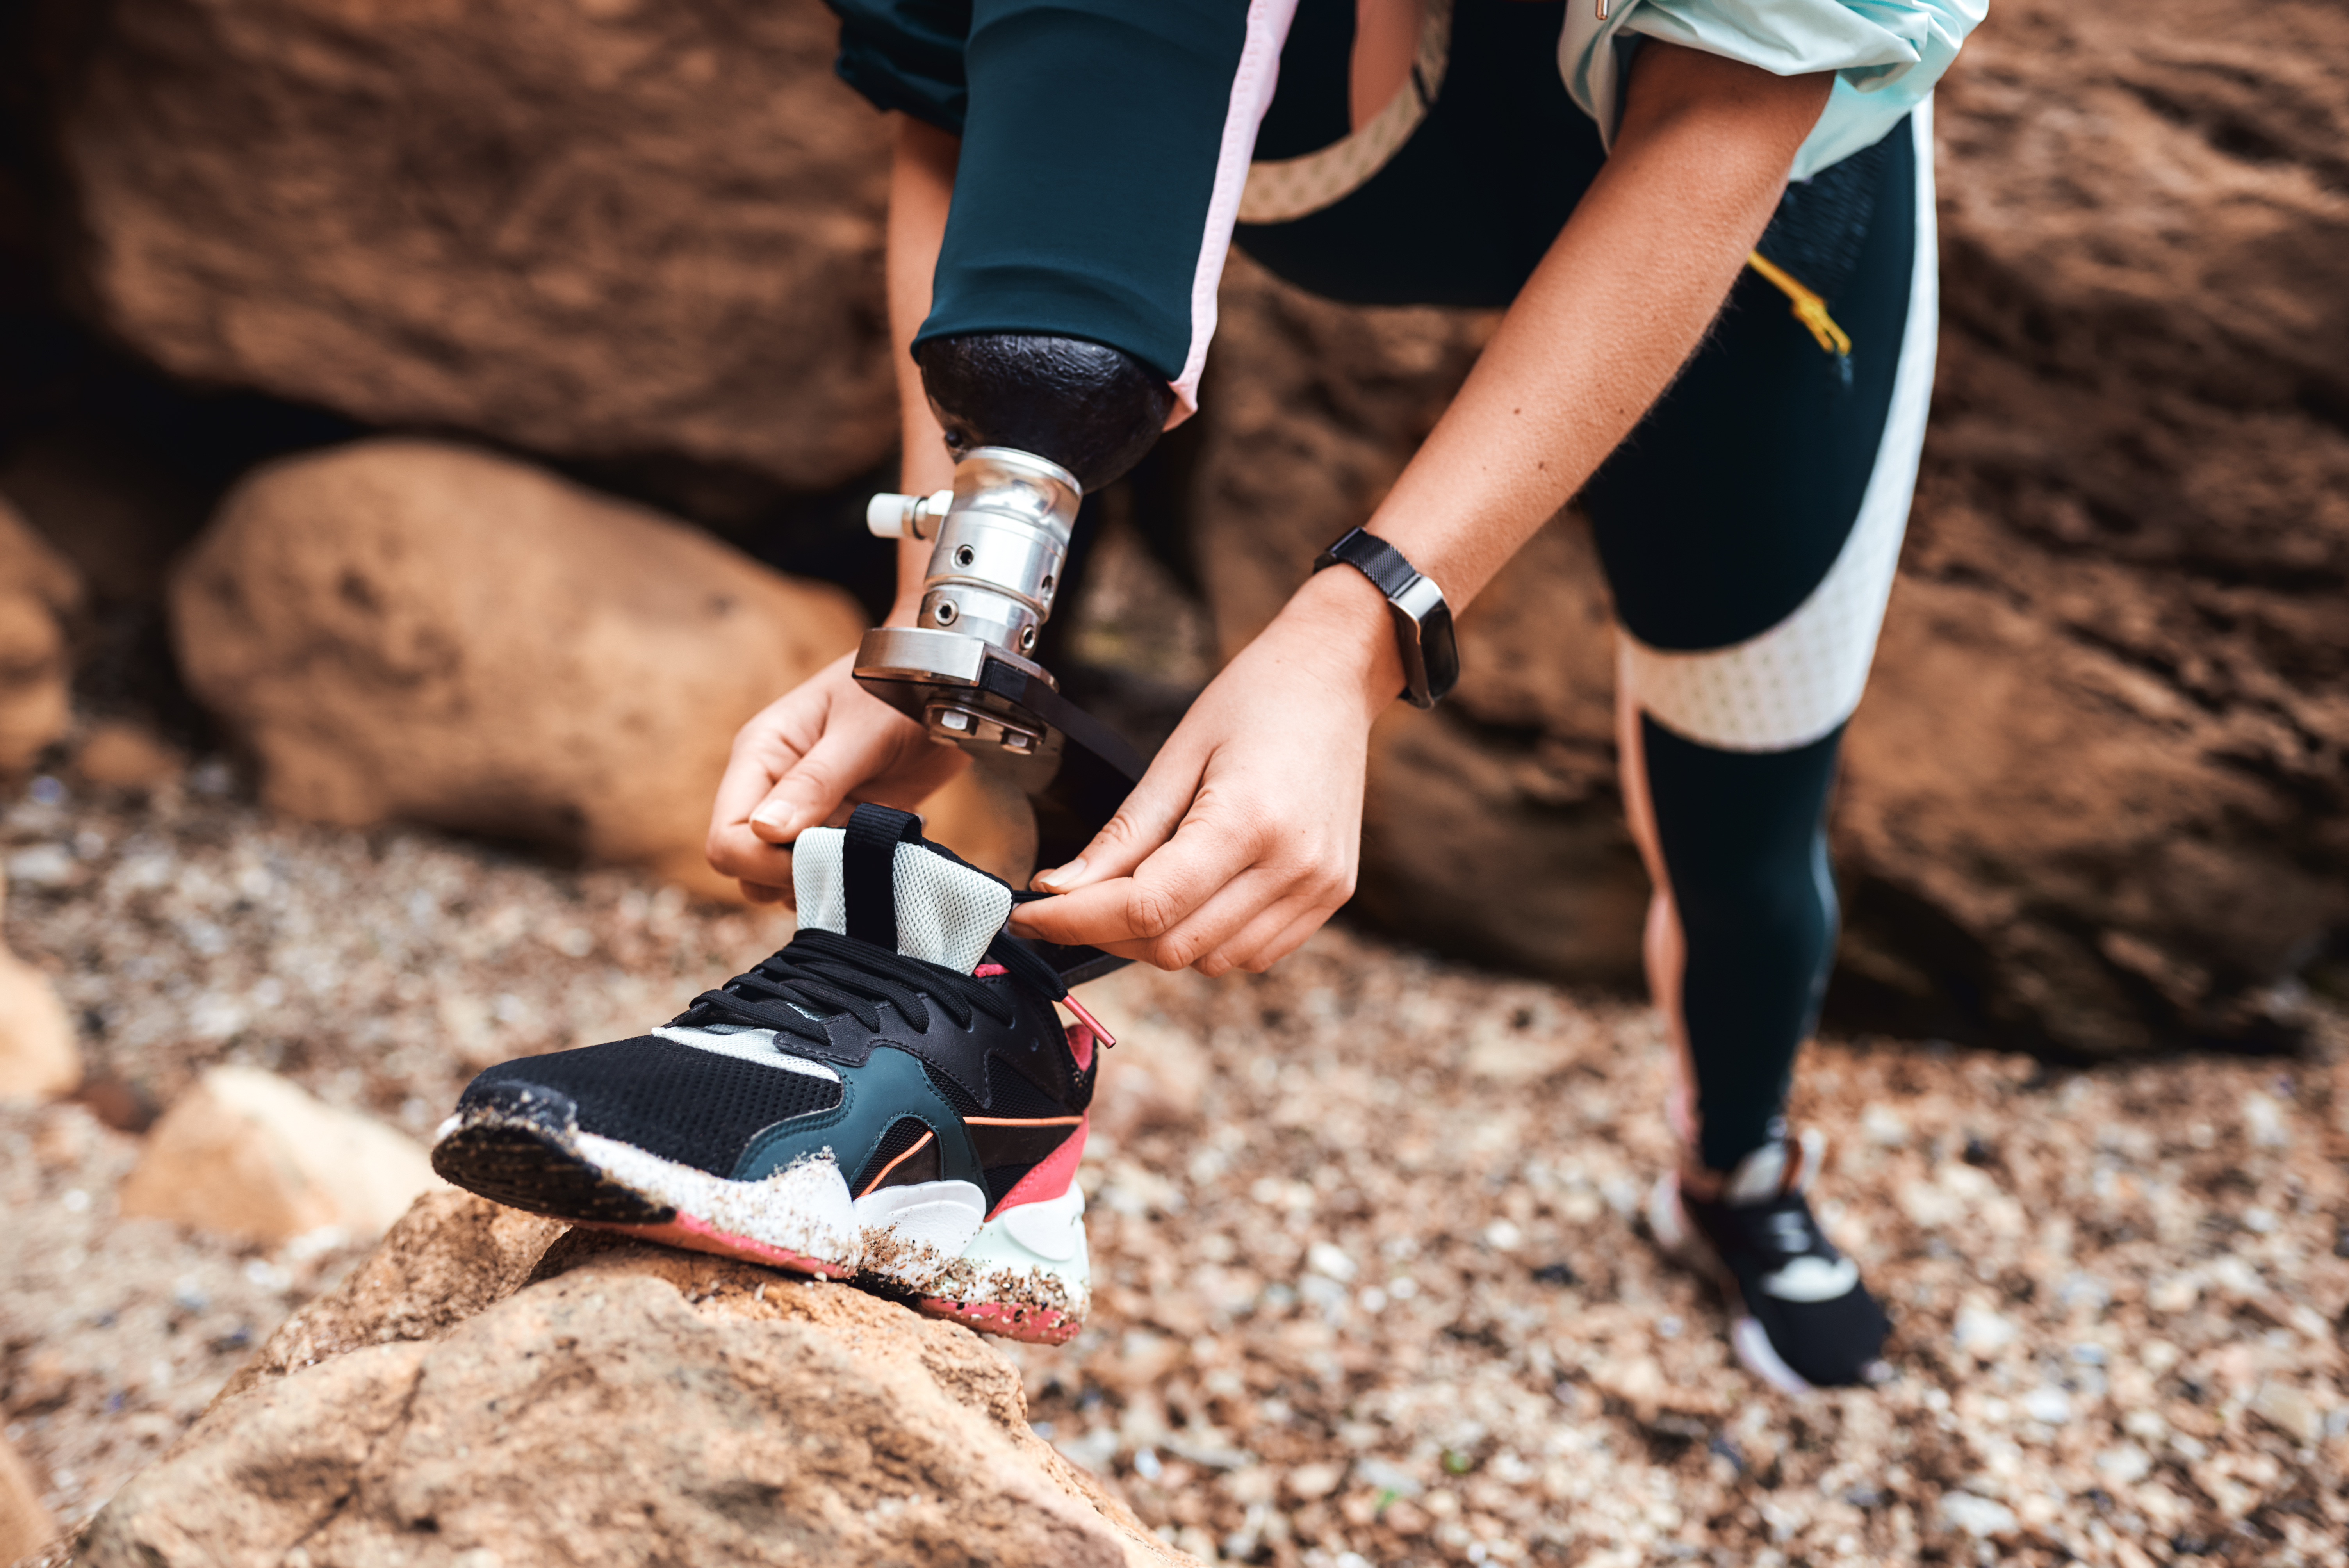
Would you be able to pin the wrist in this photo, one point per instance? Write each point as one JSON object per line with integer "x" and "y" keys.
{"x": 1340, "y": 626}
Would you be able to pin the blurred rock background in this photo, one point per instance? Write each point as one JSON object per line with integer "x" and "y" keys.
{"x": 2095, "y": 802}
{"x": 460, "y": 415}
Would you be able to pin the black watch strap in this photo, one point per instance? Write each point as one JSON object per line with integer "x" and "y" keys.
{"x": 1423, "y": 635}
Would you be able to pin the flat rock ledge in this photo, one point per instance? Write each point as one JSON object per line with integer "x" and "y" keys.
{"x": 488, "y": 1389}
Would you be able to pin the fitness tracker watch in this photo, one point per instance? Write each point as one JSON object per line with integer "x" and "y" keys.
{"x": 1423, "y": 621}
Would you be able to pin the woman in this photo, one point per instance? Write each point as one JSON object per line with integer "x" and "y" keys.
{"x": 1709, "y": 222}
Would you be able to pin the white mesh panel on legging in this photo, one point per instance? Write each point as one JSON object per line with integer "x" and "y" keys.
{"x": 946, "y": 912}
{"x": 1789, "y": 685}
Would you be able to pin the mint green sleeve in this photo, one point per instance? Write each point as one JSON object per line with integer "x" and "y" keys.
{"x": 1885, "y": 53}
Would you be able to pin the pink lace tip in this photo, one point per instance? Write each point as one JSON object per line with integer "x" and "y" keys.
{"x": 1090, "y": 1022}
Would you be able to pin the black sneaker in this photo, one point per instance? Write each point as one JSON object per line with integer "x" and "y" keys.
{"x": 891, "y": 1099}
{"x": 1803, "y": 1320}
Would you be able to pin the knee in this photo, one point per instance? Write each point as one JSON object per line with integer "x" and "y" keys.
{"x": 1090, "y": 407}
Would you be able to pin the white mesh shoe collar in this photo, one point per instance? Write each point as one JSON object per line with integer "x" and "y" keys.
{"x": 946, "y": 912}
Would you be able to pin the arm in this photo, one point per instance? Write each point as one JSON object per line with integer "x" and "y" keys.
{"x": 828, "y": 739}
{"x": 1243, "y": 838}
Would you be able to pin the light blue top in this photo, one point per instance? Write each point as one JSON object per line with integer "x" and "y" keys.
{"x": 1885, "y": 53}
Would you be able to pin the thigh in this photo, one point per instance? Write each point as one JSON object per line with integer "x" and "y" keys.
{"x": 1770, "y": 466}
{"x": 1462, "y": 211}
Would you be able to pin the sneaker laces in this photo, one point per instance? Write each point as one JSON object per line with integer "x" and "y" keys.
{"x": 820, "y": 975}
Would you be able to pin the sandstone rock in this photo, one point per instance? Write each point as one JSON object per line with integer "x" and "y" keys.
{"x": 629, "y": 1404}
{"x": 401, "y": 628}
{"x": 247, "y": 1154}
{"x": 124, "y": 755}
{"x": 38, "y": 591}
{"x": 39, "y": 1058}
{"x": 26, "y": 1526}
{"x": 609, "y": 230}
{"x": 2096, "y": 793}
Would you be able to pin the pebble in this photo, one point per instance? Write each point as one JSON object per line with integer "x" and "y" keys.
{"x": 1979, "y": 1516}
{"x": 2289, "y": 1410}
{"x": 1982, "y": 1332}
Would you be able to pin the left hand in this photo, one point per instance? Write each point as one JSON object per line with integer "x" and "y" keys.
{"x": 1245, "y": 834}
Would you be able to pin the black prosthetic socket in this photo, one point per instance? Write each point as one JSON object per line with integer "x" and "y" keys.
{"x": 1091, "y": 408}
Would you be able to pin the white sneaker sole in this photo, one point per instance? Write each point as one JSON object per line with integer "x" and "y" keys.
{"x": 1024, "y": 1274}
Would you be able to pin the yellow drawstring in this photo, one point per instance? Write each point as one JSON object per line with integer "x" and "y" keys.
{"x": 1809, "y": 308}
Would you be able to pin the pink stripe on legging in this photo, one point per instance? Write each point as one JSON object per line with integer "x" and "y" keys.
{"x": 1268, "y": 29}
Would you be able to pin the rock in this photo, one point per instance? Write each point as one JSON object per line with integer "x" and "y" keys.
{"x": 605, "y": 231}
{"x": 2094, "y": 795}
{"x": 25, "y": 1525}
{"x": 39, "y": 591}
{"x": 403, "y": 628}
{"x": 1984, "y": 1334}
{"x": 449, "y": 1257}
{"x": 249, "y": 1155}
{"x": 2289, "y": 1410}
{"x": 627, "y": 1404}
{"x": 1976, "y": 1515}
{"x": 39, "y": 1058}
{"x": 123, "y": 755}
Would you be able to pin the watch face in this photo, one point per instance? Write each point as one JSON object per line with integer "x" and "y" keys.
{"x": 1440, "y": 651}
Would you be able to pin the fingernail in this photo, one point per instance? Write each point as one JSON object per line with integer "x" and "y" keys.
{"x": 1060, "y": 876}
{"x": 775, "y": 814}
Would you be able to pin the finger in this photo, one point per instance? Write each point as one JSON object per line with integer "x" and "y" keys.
{"x": 849, "y": 752}
{"x": 1148, "y": 819}
{"x": 1237, "y": 906}
{"x": 762, "y": 892}
{"x": 1271, "y": 936}
{"x": 1190, "y": 868}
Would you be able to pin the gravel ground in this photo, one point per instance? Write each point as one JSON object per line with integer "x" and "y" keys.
{"x": 1371, "y": 1287}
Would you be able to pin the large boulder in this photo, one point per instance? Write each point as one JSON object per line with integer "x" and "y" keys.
{"x": 403, "y": 628}
{"x": 254, "y": 1156}
{"x": 607, "y": 229}
{"x": 626, "y": 1404}
{"x": 39, "y": 1057}
{"x": 2096, "y": 795}
{"x": 39, "y": 593}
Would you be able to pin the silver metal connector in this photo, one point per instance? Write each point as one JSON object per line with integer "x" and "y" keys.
{"x": 999, "y": 552}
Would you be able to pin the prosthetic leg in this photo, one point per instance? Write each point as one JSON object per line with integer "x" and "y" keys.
{"x": 1034, "y": 422}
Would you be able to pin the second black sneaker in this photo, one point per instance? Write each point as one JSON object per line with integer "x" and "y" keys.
{"x": 891, "y": 1099}
{"x": 1802, "y": 1319}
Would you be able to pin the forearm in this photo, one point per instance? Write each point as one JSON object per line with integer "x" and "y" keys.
{"x": 1624, "y": 295}
{"x": 921, "y": 188}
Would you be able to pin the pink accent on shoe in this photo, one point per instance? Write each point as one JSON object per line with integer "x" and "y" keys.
{"x": 1032, "y": 1325}
{"x": 1049, "y": 1177}
{"x": 988, "y": 971}
{"x": 1081, "y": 1045}
{"x": 1073, "y": 1005}
{"x": 702, "y": 1236}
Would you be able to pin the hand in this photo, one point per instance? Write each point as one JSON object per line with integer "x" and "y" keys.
{"x": 826, "y": 743}
{"x": 1245, "y": 834}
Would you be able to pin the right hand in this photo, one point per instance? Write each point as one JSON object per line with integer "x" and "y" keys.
{"x": 825, "y": 744}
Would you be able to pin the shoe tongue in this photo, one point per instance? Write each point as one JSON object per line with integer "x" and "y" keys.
{"x": 935, "y": 907}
